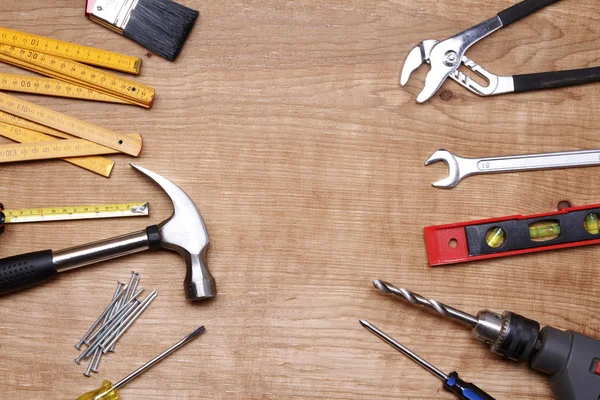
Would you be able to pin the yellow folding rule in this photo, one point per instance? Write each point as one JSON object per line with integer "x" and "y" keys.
{"x": 64, "y": 61}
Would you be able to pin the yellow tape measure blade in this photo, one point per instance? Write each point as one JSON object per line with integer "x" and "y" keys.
{"x": 64, "y": 213}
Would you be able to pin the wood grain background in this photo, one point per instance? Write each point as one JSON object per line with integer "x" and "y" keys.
{"x": 286, "y": 124}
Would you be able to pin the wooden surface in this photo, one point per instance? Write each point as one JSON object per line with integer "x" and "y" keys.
{"x": 284, "y": 121}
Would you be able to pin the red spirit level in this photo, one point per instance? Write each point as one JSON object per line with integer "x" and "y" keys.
{"x": 507, "y": 236}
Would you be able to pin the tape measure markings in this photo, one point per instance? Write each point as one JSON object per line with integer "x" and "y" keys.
{"x": 73, "y": 126}
{"x": 100, "y": 165}
{"x": 52, "y": 87}
{"x": 63, "y": 213}
{"x": 77, "y": 73}
{"x": 71, "y": 51}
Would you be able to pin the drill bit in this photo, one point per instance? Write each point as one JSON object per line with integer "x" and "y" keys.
{"x": 417, "y": 299}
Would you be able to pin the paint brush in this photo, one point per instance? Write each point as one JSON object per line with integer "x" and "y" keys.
{"x": 161, "y": 26}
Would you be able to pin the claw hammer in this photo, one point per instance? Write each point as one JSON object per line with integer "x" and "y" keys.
{"x": 184, "y": 232}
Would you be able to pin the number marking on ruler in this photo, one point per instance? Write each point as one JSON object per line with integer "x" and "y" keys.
{"x": 100, "y": 165}
{"x": 64, "y": 148}
{"x": 34, "y": 126}
{"x": 76, "y": 212}
{"x": 73, "y": 126}
{"x": 71, "y": 51}
{"x": 79, "y": 74}
{"x": 52, "y": 87}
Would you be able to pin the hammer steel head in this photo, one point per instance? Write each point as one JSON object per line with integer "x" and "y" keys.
{"x": 185, "y": 233}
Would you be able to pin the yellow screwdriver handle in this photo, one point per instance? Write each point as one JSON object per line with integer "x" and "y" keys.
{"x": 105, "y": 392}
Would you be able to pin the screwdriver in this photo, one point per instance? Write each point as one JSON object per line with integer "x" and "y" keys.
{"x": 108, "y": 391}
{"x": 452, "y": 383}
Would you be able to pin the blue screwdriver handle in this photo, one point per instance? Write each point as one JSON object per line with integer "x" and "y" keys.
{"x": 464, "y": 390}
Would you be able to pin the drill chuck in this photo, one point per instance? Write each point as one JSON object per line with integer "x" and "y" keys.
{"x": 509, "y": 335}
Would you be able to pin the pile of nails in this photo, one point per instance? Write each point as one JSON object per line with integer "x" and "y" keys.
{"x": 122, "y": 311}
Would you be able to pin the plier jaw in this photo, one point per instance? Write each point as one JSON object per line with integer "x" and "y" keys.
{"x": 445, "y": 58}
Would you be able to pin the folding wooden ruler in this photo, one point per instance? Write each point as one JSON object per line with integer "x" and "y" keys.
{"x": 26, "y": 122}
{"x": 66, "y": 63}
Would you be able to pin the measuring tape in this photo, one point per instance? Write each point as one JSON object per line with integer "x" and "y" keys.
{"x": 74, "y": 212}
{"x": 71, "y": 51}
{"x": 78, "y": 74}
{"x": 98, "y": 135}
{"x": 52, "y": 87}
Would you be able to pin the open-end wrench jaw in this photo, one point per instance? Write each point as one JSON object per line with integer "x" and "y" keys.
{"x": 453, "y": 169}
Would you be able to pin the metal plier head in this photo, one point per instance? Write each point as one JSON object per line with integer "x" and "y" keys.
{"x": 446, "y": 56}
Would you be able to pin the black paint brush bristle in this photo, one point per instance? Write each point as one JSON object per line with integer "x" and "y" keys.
{"x": 161, "y": 26}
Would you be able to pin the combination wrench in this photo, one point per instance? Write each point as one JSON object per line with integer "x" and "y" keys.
{"x": 461, "y": 167}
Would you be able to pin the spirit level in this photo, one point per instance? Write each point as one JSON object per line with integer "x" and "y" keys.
{"x": 513, "y": 235}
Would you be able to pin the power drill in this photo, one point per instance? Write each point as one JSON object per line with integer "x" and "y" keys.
{"x": 571, "y": 359}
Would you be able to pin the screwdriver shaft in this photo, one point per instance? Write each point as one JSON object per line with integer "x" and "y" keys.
{"x": 404, "y": 350}
{"x": 414, "y": 298}
{"x": 160, "y": 357}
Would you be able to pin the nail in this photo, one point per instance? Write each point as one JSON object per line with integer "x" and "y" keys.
{"x": 108, "y": 329}
{"x": 106, "y": 323}
{"x": 116, "y": 297}
{"x": 97, "y": 360}
{"x": 134, "y": 285}
{"x": 89, "y": 367}
{"x": 112, "y": 339}
{"x": 130, "y": 286}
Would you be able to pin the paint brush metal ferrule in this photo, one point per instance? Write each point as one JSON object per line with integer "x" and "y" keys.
{"x": 115, "y": 13}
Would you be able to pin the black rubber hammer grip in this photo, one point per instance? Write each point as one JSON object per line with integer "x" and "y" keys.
{"x": 26, "y": 270}
{"x": 522, "y": 9}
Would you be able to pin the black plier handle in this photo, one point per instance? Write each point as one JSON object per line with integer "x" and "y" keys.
{"x": 446, "y": 56}
{"x": 2, "y": 218}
